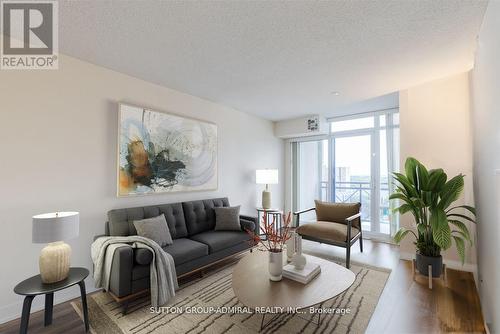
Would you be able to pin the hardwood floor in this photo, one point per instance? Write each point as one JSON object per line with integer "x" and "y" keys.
{"x": 65, "y": 320}
{"x": 406, "y": 306}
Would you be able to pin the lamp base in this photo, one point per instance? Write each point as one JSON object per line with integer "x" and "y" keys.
{"x": 54, "y": 262}
{"x": 266, "y": 199}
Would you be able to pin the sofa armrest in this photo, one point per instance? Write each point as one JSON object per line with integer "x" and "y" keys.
{"x": 143, "y": 256}
{"x": 246, "y": 220}
{"x": 247, "y": 225}
{"x": 251, "y": 218}
{"x": 120, "y": 282}
{"x": 99, "y": 236}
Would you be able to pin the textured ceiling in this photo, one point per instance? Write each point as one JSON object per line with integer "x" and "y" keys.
{"x": 276, "y": 59}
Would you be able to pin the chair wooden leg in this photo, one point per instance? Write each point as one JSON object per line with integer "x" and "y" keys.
{"x": 361, "y": 243}
{"x": 348, "y": 257}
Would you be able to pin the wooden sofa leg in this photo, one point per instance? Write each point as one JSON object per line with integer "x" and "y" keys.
{"x": 125, "y": 308}
{"x": 361, "y": 243}
{"x": 348, "y": 257}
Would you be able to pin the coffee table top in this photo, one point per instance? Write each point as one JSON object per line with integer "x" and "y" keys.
{"x": 251, "y": 284}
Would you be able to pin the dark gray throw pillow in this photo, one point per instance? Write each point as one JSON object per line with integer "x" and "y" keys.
{"x": 227, "y": 218}
{"x": 155, "y": 228}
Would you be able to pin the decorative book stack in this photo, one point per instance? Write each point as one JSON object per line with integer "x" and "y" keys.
{"x": 304, "y": 275}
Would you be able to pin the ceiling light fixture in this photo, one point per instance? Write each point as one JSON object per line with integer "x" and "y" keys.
{"x": 336, "y": 93}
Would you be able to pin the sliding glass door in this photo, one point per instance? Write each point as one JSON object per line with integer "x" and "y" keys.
{"x": 352, "y": 164}
{"x": 311, "y": 172}
{"x": 352, "y": 173}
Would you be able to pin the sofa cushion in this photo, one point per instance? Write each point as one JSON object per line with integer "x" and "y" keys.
{"x": 174, "y": 215}
{"x": 337, "y": 212}
{"x": 227, "y": 218}
{"x": 155, "y": 228}
{"x": 121, "y": 220}
{"x": 200, "y": 215}
{"x": 219, "y": 240}
{"x": 326, "y": 231}
{"x": 184, "y": 250}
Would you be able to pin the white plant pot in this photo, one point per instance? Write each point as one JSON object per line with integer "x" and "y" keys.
{"x": 275, "y": 266}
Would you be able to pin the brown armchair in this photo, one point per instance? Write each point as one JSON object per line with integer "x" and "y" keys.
{"x": 337, "y": 224}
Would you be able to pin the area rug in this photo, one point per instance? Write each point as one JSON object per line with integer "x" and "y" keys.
{"x": 220, "y": 311}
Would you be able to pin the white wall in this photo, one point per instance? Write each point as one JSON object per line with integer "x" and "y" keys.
{"x": 435, "y": 129}
{"x": 486, "y": 121}
{"x": 58, "y": 152}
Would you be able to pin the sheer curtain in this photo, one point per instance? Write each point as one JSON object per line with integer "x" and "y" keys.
{"x": 392, "y": 142}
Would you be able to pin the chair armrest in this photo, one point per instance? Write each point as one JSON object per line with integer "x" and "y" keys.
{"x": 120, "y": 282}
{"x": 351, "y": 218}
{"x": 303, "y": 211}
{"x": 298, "y": 213}
{"x": 349, "y": 221}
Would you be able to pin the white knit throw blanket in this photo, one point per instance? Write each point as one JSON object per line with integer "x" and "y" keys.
{"x": 162, "y": 268}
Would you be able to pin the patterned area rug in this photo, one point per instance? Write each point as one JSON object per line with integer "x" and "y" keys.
{"x": 220, "y": 311}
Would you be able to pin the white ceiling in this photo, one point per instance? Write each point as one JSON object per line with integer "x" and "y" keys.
{"x": 276, "y": 59}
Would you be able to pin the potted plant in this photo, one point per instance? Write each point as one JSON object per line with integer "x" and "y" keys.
{"x": 273, "y": 239}
{"x": 428, "y": 195}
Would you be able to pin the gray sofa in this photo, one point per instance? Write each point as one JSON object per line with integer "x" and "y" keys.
{"x": 195, "y": 242}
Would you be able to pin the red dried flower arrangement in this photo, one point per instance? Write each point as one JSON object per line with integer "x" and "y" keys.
{"x": 275, "y": 237}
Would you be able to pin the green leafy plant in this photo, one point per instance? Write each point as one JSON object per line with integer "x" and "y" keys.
{"x": 429, "y": 195}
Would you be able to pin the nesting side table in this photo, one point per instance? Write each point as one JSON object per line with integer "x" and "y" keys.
{"x": 270, "y": 215}
{"x": 33, "y": 286}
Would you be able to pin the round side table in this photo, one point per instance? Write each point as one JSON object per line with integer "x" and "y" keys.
{"x": 33, "y": 286}
{"x": 270, "y": 215}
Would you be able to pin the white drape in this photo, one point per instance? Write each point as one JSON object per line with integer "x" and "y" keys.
{"x": 392, "y": 149}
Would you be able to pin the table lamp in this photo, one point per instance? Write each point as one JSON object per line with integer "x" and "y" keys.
{"x": 267, "y": 177}
{"x": 53, "y": 228}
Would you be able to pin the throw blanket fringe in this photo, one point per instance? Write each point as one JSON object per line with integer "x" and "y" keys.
{"x": 162, "y": 268}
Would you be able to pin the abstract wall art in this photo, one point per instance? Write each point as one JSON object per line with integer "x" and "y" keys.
{"x": 160, "y": 152}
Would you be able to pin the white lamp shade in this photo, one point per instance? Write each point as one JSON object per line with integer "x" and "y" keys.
{"x": 266, "y": 176}
{"x": 56, "y": 226}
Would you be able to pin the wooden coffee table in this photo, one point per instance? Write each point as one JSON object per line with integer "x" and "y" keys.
{"x": 251, "y": 285}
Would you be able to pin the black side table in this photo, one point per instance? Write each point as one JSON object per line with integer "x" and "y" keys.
{"x": 271, "y": 214}
{"x": 33, "y": 286}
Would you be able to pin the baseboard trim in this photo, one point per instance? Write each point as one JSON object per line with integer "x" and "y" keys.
{"x": 456, "y": 265}
{"x": 13, "y": 311}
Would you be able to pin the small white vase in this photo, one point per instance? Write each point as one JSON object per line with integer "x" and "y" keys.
{"x": 275, "y": 265}
{"x": 299, "y": 260}
{"x": 290, "y": 247}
